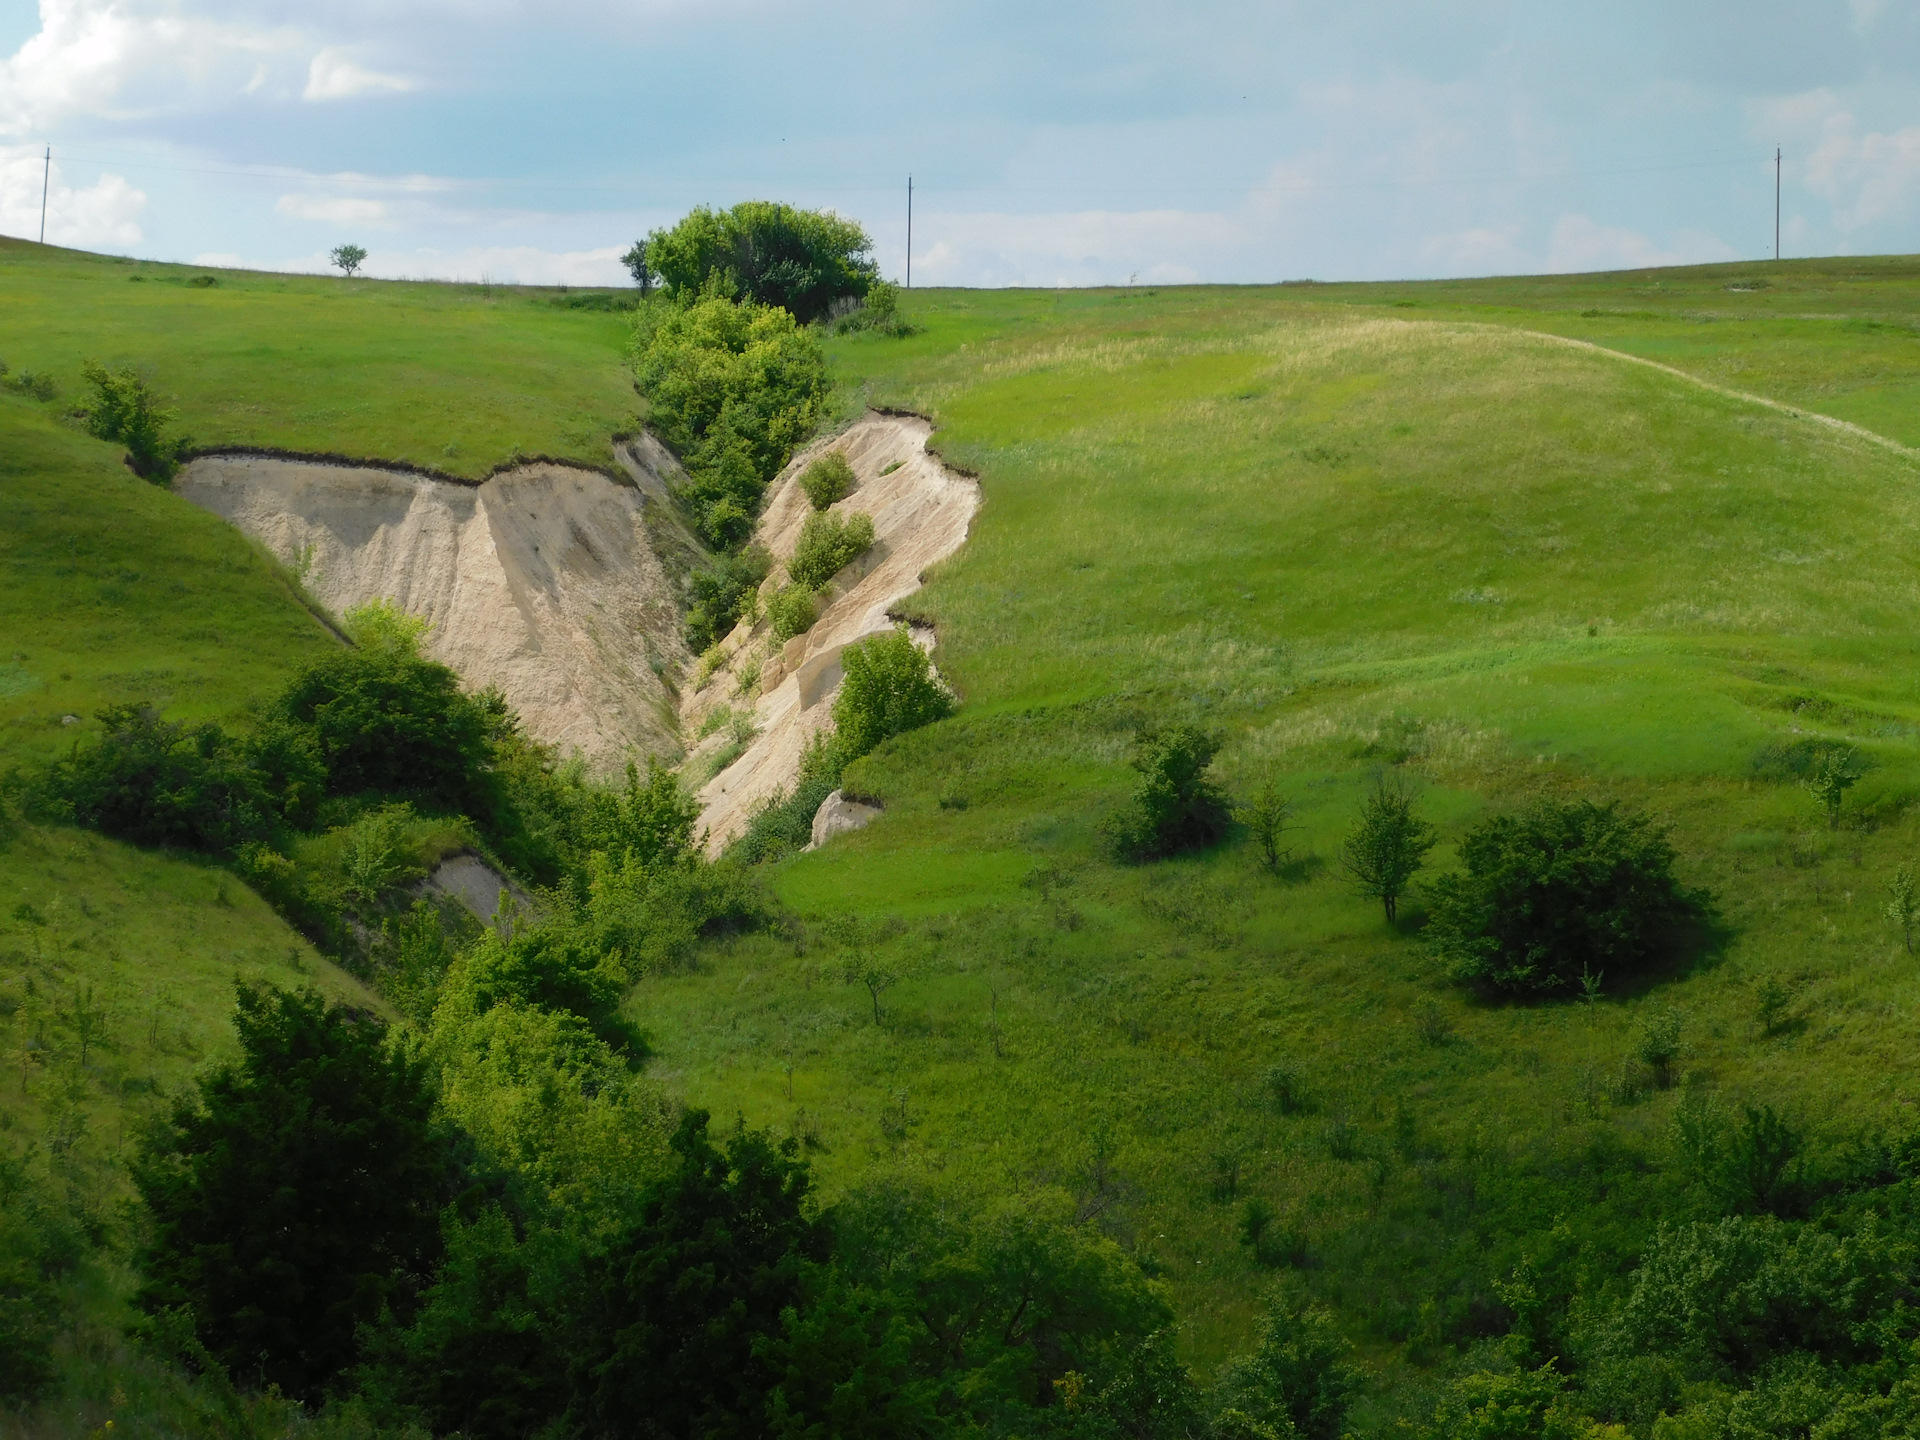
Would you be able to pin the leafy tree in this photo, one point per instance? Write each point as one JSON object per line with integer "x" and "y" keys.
{"x": 889, "y": 688}
{"x": 1268, "y": 816}
{"x": 348, "y": 258}
{"x": 1903, "y": 903}
{"x": 551, "y": 967}
{"x": 768, "y": 253}
{"x": 40, "y": 1247}
{"x": 1296, "y": 1375}
{"x": 640, "y": 267}
{"x": 827, "y": 479}
{"x": 1559, "y": 889}
{"x": 792, "y": 611}
{"x": 381, "y": 627}
{"x": 1835, "y": 770}
{"x": 386, "y": 721}
{"x": 1390, "y": 844}
{"x": 126, "y": 410}
{"x": 1177, "y": 805}
{"x": 160, "y": 783}
{"x": 827, "y": 545}
{"x": 649, "y": 822}
{"x": 685, "y": 1302}
{"x": 734, "y": 389}
{"x": 1518, "y": 1405}
{"x": 297, "y": 1194}
{"x": 721, "y": 591}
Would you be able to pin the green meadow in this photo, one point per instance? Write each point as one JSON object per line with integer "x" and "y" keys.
{"x": 1352, "y": 529}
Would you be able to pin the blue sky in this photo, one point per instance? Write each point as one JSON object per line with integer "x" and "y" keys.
{"x": 1050, "y": 143}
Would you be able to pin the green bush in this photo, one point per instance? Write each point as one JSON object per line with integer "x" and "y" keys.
{"x": 158, "y": 783}
{"x": 879, "y": 312}
{"x": 1296, "y": 1378}
{"x": 765, "y": 252}
{"x": 734, "y": 389}
{"x": 385, "y": 721}
{"x": 792, "y": 612}
{"x": 1177, "y": 806}
{"x": 827, "y": 479}
{"x": 721, "y": 593}
{"x": 785, "y": 823}
{"x": 1559, "y": 890}
{"x": 827, "y": 545}
{"x": 297, "y": 1194}
{"x": 889, "y": 689}
{"x": 126, "y": 410}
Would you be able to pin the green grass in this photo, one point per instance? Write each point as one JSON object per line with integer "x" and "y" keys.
{"x": 1345, "y": 536}
{"x": 457, "y": 378}
{"x": 1347, "y": 526}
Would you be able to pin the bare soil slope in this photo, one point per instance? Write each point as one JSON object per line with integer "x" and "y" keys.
{"x": 542, "y": 580}
{"x": 921, "y": 511}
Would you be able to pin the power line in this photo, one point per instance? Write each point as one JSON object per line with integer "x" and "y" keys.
{"x": 46, "y": 176}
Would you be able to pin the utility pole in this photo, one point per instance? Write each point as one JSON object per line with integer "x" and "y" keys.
{"x": 1776, "y": 202}
{"x": 45, "y": 176}
{"x": 909, "y": 232}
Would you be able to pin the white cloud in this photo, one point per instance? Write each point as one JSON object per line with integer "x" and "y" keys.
{"x": 124, "y": 59}
{"x": 332, "y": 76}
{"x": 103, "y": 215}
{"x": 332, "y": 209}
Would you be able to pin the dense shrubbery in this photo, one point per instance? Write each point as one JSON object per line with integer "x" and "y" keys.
{"x": 1559, "y": 891}
{"x": 792, "y": 612}
{"x": 1177, "y": 805}
{"x": 297, "y": 1197}
{"x": 889, "y": 688}
{"x": 722, "y": 592}
{"x": 827, "y": 479}
{"x": 734, "y": 388}
{"x": 125, "y": 410}
{"x": 827, "y": 545}
{"x": 772, "y": 254}
{"x": 878, "y": 312}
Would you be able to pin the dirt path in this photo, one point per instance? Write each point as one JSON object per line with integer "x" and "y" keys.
{"x": 542, "y": 580}
{"x": 921, "y": 511}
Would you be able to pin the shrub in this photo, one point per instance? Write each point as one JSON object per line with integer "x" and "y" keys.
{"x": 1176, "y": 806}
{"x": 1296, "y": 1378}
{"x": 1835, "y": 770}
{"x": 297, "y": 1194}
{"x": 126, "y": 410}
{"x": 792, "y": 612}
{"x": 1388, "y": 846}
{"x": 773, "y": 254}
{"x": 827, "y": 545}
{"x": 158, "y": 783}
{"x": 1268, "y": 816}
{"x": 889, "y": 689}
{"x": 734, "y": 389}
{"x": 383, "y": 628}
{"x": 879, "y": 312}
{"x": 827, "y": 479}
{"x": 785, "y": 823}
{"x": 1555, "y": 891}
{"x": 392, "y": 723}
{"x": 722, "y": 591}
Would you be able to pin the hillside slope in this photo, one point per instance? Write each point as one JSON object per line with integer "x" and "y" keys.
{"x": 1345, "y": 541}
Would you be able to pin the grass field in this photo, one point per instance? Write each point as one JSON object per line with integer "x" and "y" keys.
{"x": 1345, "y": 537}
{"x": 456, "y": 378}
{"x": 1348, "y": 527}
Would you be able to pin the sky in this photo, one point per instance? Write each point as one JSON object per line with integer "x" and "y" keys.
{"x": 1049, "y": 143}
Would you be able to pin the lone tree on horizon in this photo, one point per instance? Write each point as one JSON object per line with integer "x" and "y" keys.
{"x": 348, "y": 258}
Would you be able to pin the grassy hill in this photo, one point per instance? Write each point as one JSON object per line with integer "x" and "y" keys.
{"x": 1349, "y": 528}
{"x": 1345, "y": 537}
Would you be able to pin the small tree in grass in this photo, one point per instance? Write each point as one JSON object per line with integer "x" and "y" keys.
{"x": 125, "y": 409}
{"x": 1903, "y": 903}
{"x": 1177, "y": 806}
{"x": 1559, "y": 891}
{"x": 1835, "y": 770}
{"x": 348, "y": 258}
{"x": 1268, "y": 815}
{"x": 1390, "y": 844}
{"x": 890, "y": 688}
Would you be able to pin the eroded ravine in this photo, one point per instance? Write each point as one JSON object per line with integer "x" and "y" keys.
{"x": 543, "y": 580}
{"x": 921, "y": 513}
